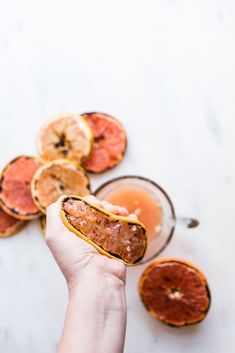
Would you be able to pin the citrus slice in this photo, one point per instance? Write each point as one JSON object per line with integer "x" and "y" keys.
{"x": 65, "y": 136}
{"x": 57, "y": 178}
{"x": 15, "y": 192}
{"x": 109, "y": 142}
{"x": 175, "y": 292}
{"x": 115, "y": 236}
{"x": 42, "y": 222}
{"x": 9, "y": 225}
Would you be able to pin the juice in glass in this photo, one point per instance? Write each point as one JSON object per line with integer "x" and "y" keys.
{"x": 140, "y": 202}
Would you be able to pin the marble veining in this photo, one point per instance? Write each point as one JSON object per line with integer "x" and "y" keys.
{"x": 213, "y": 123}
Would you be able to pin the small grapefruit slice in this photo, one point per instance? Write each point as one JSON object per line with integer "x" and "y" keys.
{"x": 118, "y": 237}
{"x": 109, "y": 142}
{"x": 175, "y": 292}
{"x": 9, "y": 225}
{"x": 15, "y": 191}
{"x": 65, "y": 136}
{"x": 57, "y": 178}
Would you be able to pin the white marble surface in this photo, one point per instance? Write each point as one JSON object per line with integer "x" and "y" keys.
{"x": 166, "y": 69}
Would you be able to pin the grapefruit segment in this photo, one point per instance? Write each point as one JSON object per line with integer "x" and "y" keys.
{"x": 65, "y": 136}
{"x": 175, "y": 292}
{"x": 15, "y": 191}
{"x": 109, "y": 142}
{"x": 112, "y": 235}
{"x": 57, "y": 178}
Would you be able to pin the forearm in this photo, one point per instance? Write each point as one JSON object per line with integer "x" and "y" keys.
{"x": 96, "y": 317}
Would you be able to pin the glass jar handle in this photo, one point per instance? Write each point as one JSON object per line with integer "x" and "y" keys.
{"x": 187, "y": 222}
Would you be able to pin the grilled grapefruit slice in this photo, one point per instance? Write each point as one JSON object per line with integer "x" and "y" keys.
{"x": 57, "y": 178}
{"x": 15, "y": 190}
{"x": 115, "y": 236}
{"x": 110, "y": 142}
{"x": 175, "y": 291}
{"x": 67, "y": 136}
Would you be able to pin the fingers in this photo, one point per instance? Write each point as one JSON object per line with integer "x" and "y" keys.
{"x": 121, "y": 211}
{"x": 53, "y": 214}
{"x": 133, "y": 216}
{"x": 54, "y": 224}
{"x": 92, "y": 199}
{"x": 57, "y": 232}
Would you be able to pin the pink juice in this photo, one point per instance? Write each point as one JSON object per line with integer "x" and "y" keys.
{"x": 140, "y": 202}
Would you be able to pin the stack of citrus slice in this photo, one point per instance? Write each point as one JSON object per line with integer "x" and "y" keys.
{"x": 96, "y": 141}
{"x": 70, "y": 145}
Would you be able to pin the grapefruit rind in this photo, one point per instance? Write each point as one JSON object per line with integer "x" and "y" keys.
{"x": 13, "y": 229}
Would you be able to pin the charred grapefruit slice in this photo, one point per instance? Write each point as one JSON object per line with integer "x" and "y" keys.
{"x": 175, "y": 292}
{"x": 15, "y": 192}
{"x": 9, "y": 225}
{"x": 65, "y": 136}
{"x": 115, "y": 236}
{"x": 109, "y": 142}
{"x": 57, "y": 178}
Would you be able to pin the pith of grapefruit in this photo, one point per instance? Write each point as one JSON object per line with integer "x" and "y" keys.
{"x": 15, "y": 188}
{"x": 57, "y": 178}
{"x": 67, "y": 136}
{"x": 175, "y": 292}
{"x": 110, "y": 142}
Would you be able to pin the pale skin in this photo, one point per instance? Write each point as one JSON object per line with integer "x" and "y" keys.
{"x": 96, "y": 314}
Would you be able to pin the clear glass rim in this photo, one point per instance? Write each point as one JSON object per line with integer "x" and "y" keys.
{"x": 102, "y": 186}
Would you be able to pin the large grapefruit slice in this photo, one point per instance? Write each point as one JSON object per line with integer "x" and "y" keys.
{"x": 57, "y": 178}
{"x": 175, "y": 292}
{"x": 109, "y": 142}
{"x": 115, "y": 236}
{"x": 9, "y": 225}
{"x": 65, "y": 136}
{"x": 15, "y": 191}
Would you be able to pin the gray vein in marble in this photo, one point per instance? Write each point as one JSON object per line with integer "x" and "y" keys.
{"x": 213, "y": 123}
{"x": 4, "y": 336}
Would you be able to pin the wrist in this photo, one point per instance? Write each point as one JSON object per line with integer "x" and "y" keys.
{"x": 99, "y": 295}
{"x": 96, "y": 315}
{"x": 96, "y": 278}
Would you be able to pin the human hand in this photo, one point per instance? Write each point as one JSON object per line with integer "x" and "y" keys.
{"x": 96, "y": 313}
{"x": 78, "y": 260}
